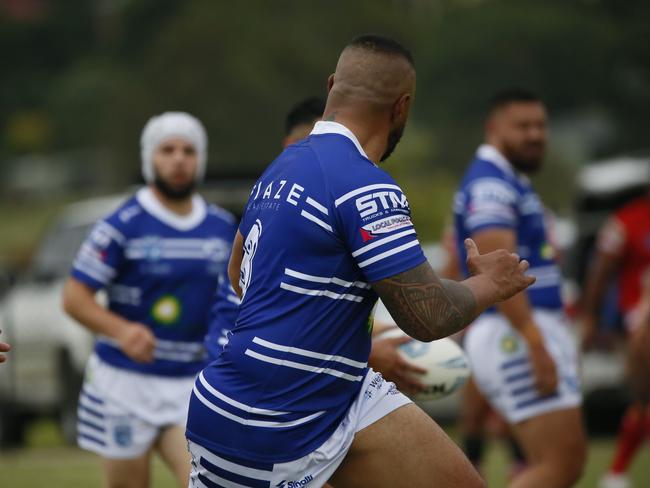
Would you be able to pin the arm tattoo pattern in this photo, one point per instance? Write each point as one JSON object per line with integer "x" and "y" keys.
{"x": 424, "y": 306}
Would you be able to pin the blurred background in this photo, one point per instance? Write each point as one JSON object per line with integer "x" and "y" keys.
{"x": 81, "y": 77}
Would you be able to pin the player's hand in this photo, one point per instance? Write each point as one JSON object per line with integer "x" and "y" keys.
{"x": 385, "y": 358}
{"x": 503, "y": 269}
{"x": 4, "y": 347}
{"x": 137, "y": 342}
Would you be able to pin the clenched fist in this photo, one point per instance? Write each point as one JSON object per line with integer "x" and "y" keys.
{"x": 138, "y": 342}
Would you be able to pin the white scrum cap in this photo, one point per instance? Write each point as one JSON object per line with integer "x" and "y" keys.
{"x": 170, "y": 125}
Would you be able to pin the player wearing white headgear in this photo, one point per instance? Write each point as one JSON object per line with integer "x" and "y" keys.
{"x": 160, "y": 257}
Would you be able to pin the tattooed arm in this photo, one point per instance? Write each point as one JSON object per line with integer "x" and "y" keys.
{"x": 428, "y": 308}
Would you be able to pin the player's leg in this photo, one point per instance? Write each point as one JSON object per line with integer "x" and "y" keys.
{"x": 127, "y": 473}
{"x": 474, "y": 411}
{"x": 405, "y": 448}
{"x": 555, "y": 447}
{"x": 172, "y": 447}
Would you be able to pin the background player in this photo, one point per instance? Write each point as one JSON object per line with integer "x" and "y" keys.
{"x": 294, "y": 373}
{"x": 159, "y": 257}
{"x": 522, "y": 356}
{"x": 623, "y": 247}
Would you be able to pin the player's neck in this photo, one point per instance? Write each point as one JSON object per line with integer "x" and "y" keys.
{"x": 371, "y": 134}
{"x": 178, "y": 206}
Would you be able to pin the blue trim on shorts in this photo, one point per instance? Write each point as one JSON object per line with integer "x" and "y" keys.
{"x": 91, "y": 439}
{"x": 95, "y": 413}
{"x": 522, "y": 389}
{"x": 514, "y": 362}
{"x": 92, "y": 398}
{"x": 234, "y": 477}
{"x": 517, "y": 376}
{"x": 96, "y": 427}
{"x": 535, "y": 400}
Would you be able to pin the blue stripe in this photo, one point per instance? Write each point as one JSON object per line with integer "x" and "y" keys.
{"x": 237, "y": 478}
{"x": 514, "y": 362}
{"x": 91, "y": 425}
{"x": 245, "y": 462}
{"x": 92, "y": 398}
{"x": 518, "y": 376}
{"x": 523, "y": 389}
{"x": 91, "y": 439}
{"x": 535, "y": 400}
{"x": 208, "y": 483}
{"x": 97, "y": 414}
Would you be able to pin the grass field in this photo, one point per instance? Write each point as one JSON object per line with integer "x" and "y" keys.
{"x": 49, "y": 463}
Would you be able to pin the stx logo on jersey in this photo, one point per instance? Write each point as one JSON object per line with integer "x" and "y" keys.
{"x": 384, "y": 226}
{"x": 381, "y": 200}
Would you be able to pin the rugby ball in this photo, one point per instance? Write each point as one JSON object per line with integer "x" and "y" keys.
{"x": 445, "y": 361}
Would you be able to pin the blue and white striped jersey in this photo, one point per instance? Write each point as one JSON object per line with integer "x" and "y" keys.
{"x": 161, "y": 270}
{"x": 322, "y": 223}
{"x": 493, "y": 195}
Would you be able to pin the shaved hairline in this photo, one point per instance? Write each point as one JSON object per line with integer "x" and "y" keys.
{"x": 373, "y": 75}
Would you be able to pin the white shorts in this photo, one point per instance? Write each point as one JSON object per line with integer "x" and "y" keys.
{"x": 376, "y": 399}
{"x": 121, "y": 412}
{"x": 499, "y": 359}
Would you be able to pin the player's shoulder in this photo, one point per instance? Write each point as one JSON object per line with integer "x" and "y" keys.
{"x": 125, "y": 217}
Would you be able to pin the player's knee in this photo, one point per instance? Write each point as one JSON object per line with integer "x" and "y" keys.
{"x": 570, "y": 463}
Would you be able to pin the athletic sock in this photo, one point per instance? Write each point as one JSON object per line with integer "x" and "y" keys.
{"x": 630, "y": 437}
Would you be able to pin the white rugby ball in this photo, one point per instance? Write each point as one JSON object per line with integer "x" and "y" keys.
{"x": 445, "y": 361}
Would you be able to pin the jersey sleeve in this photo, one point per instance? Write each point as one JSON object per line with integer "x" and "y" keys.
{"x": 490, "y": 202}
{"x": 375, "y": 223}
{"x": 100, "y": 256}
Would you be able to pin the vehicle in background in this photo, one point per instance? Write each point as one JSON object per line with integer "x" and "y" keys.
{"x": 49, "y": 349}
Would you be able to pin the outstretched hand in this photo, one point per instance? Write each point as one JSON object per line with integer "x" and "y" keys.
{"x": 504, "y": 269}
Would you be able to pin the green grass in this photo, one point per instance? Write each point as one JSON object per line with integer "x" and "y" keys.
{"x": 47, "y": 462}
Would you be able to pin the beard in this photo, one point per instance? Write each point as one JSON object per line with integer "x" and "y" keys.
{"x": 526, "y": 163}
{"x": 174, "y": 193}
{"x": 394, "y": 137}
{"x": 526, "y": 166}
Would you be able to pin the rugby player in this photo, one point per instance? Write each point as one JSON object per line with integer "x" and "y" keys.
{"x": 523, "y": 359}
{"x": 159, "y": 257}
{"x": 291, "y": 401}
{"x": 623, "y": 248}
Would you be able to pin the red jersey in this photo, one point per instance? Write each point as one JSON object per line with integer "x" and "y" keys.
{"x": 626, "y": 236}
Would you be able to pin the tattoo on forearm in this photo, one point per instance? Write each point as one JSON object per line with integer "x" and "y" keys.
{"x": 424, "y": 306}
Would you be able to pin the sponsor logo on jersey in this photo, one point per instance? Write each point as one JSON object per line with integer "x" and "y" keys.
{"x": 373, "y": 203}
{"x": 384, "y": 226}
{"x": 166, "y": 310}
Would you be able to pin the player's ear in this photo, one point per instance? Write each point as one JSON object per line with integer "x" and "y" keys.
{"x": 330, "y": 82}
{"x": 401, "y": 108}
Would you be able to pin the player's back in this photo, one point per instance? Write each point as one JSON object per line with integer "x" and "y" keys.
{"x": 298, "y": 353}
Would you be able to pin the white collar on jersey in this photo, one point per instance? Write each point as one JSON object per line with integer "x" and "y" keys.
{"x": 330, "y": 127}
{"x": 489, "y": 153}
{"x": 152, "y": 205}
